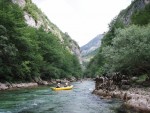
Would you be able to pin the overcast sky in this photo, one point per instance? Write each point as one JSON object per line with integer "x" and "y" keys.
{"x": 82, "y": 19}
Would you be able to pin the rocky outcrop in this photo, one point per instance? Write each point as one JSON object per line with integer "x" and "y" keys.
{"x": 39, "y": 81}
{"x": 21, "y": 3}
{"x": 76, "y": 50}
{"x": 30, "y": 21}
{"x": 39, "y": 19}
{"x": 136, "y": 5}
{"x": 20, "y": 85}
{"x": 135, "y": 99}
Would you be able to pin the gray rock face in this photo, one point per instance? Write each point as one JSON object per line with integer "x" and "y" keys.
{"x": 21, "y": 85}
{"x": 29, "y": 20}
{"x": 147, "y": 1}
{"x": 3, "y": 86}
{"x": 21, "y": 3}
{"x": 76, "y": 50}
{"x": 134, "y": 99}
{"x": 43, "y": 21}
{"x": 135, "y": 6}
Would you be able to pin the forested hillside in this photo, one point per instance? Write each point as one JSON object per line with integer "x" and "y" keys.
{"x": 125, "y": 48}
{"x": 28, "y": 52}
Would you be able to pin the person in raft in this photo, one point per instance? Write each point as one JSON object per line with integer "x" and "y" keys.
{"x": 66, "y": 84}
{"x": 58, "y": 85}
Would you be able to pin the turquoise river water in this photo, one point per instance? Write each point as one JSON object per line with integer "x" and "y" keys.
{"x": 44, "y": 100}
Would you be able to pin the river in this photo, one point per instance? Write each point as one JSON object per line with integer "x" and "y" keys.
{"x": 44, "y": 100}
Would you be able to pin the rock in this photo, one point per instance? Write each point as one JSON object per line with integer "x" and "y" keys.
{"x": 53, "y": 81}
{"x": 3, "y": 86}
{"x": 44, "y": 83}
{"x": 8, "y": 85}
{"x": 37, "y": 79}
{"x": 134, "y": 78}
{"x": 138, "y": 5}
{"x": 125, "y": 87}
{"x": 72, "y": 79}
{"x": 58, "y": 81}
{"x": 20, "y": 85}
{"x": 21, "y": 3}
{"x": 40, "y": 81}
{"x": 30, "y": 21}
{"x": 24, "y": 85}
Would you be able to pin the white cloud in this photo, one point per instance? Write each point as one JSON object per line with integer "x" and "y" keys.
{"x": 82, "y": 19}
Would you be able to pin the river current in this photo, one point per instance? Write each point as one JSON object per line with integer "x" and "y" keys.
{"x": 44, "y": 100}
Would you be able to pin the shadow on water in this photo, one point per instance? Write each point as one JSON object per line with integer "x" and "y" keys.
{"x": 44, "y": 100}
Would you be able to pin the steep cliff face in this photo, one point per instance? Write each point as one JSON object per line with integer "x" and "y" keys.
{"x": 31, "y": 52}
{"x": 34, "y": 17}
{"x": 72, "y": 46}
{"x": 76, "y": 50}
{"x": 136, "y": 5}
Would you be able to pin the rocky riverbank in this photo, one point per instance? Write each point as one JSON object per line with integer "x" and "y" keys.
{"x": 37, "y": 82}
{"x": 5, "y": 86}
{"x": 136, "y": 99}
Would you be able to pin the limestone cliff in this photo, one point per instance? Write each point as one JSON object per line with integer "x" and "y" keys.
{"x": 34, "y": 17}
{"x": 136, "y": 5}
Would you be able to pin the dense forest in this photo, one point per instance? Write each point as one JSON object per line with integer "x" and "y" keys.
{"x": 27, "y": 53}
{"x": 125, "y": 47}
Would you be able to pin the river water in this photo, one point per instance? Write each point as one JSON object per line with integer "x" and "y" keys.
{"x": 44, "y": 100}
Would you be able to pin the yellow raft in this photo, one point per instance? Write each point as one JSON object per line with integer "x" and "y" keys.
{"x": 62, "y": 88}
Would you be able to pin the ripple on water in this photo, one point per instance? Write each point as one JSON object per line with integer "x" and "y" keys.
{"x": 43, "y": 100}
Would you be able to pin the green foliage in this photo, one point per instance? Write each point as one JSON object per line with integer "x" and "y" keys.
{"x": 141, "y": 17}
{"x": 27, "y": 53}
{"x": 95, "y": 68}
{"x": 8, "y": 52}
{"x": 142, "y": 78}
{"x": 125, "y": 49}
{"x": 115, "y": 24}
{"x": 129, "y": 53}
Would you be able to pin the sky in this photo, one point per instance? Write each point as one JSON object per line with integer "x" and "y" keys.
{"x": 82, "y": 19}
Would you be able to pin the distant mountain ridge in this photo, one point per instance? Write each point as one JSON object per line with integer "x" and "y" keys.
{"x": 92, "y": 45}
{"x": 89, "y": 50}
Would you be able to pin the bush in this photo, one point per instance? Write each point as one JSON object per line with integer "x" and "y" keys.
{"x": 129, "y": 53}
